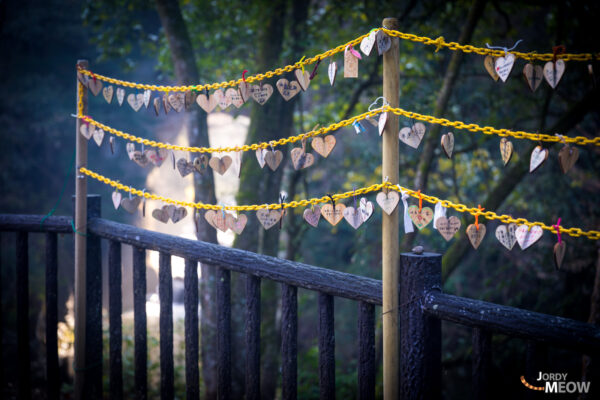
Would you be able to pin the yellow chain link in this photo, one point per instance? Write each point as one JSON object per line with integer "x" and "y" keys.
{"x": 576, "y": 232}
{"x": 488, "y": 130}
{"x": 439, "y": 43}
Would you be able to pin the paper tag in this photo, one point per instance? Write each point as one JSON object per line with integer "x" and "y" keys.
{"x": 439, "y": 211}
{"x": 350, "y": 65}
{"x": 408, "y": 226}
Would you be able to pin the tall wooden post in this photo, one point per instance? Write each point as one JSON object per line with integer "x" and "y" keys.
{"x": 389, "y": 232}
{"x": 80, "y": 241}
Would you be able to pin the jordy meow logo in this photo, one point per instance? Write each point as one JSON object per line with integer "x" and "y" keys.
{"x": 549, "y": 382}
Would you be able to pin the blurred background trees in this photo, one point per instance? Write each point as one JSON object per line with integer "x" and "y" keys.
{"x": 190, "y": 42}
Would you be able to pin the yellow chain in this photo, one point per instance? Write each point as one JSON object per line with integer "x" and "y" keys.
{"x": 439, "y": 43}
{"x": 213, "y": 86}
{"x": 467, "y": 48}
{"x": 488, "y": 130}
{"x": 576, "y": 232}
{"x": 255, "y": 146}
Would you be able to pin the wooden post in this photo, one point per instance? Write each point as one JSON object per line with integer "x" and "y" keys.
{"x": 389, "y": 232}
{"x": 80, "y": 241}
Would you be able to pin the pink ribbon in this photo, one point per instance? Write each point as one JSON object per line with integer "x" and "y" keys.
{"x": 353, "y": 52}
{"x": 557, "y": 227}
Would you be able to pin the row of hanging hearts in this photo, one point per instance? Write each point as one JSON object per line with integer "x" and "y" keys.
{"x": 567, "y": 156}
{"x": 260, "y": 93}
{"x": 412, "y": 136}
{"x": 500, "y": 68}
{"x": 333, "y": 213}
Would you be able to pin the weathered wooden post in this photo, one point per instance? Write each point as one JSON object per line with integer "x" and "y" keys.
{"x": 420, "y": 334}
{"x": 389, "y": 232}
{"x": 80, "y": 239}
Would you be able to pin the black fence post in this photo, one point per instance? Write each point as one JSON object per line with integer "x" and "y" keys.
{"x": 482, "y": 362}
{"x": 93, "y": 321}
{"x": 223, "y": 334}
{"x": 190, "y": 301}
{"x": 420, "y": 334}
{"x": 23, "y": 335}
{"x": 289, "y": 342}
{"x": 115, "y": 309}
{"x": 140, "y": 332}
{"x": 367, "y": 368}
{"x": 52, "y": 368}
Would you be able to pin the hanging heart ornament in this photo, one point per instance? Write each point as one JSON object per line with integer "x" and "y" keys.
{"x": 273, "y": 159}
{"x": 506, "y": 150}
{"x": 388, "y": 201}
{"x": 420, "y": 217}
{"x": 412, "y": 136}
{"x": 526, "y": 236}
{"x": 533, "y": 75}
{"x": 448, "y": 144}
{"x": 323, "y": 146}
{"x": 312, "y": 215}
{"x": 504, "y": 65}
{"x": 538, "y": 156}
{"x": 567, "y": 156}
{"x": 447, "y": 227}
{"x": 506, "y": 235}
{"x": 353, "y": 217}
{"x": 268, "y": 218}
{"x": 475, "y": 235}
{"x": 135, "y": 101}
{"x": 331, "y": 72}
{"x": 490, "y": 67}
{"x": 553, "y": 71}
{"x": 287, "y": 89}
{"x": 333, "y": 215}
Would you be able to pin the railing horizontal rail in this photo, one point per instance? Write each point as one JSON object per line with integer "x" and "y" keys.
{"x": 33, "y": 223}
{"x": 323, "y": 280}
{"x": 511, "y": 321}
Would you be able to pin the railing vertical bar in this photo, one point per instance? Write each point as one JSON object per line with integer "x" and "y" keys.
{"x": 190, "y": 300}
{"x": 93, "y": 306}
{"x": 139, "y": 320}
{"x": 52, "y": 377}
{"x": 165, "y": 292}
{"x": 326, "y": 347}
{"x": 366, "y": 351}
{"x": 223, "y": 334}
{"x": 252, "y": 337}
{"x": 2, "y": 380}
{"x": 482, "y": 358}
{"x": 115, "y": 308}
{"x": 23, "y": 359}
{"x": 535, "y": 361}
{"x": 289, "y": 342}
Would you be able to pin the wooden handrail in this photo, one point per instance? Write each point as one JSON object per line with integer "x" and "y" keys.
{"x": 335, "y": 283}
{"x": 33, "y": 223}
{"x": 511, "y": 321}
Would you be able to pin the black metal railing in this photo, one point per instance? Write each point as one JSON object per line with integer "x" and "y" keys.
{"x": 422, "y": 307}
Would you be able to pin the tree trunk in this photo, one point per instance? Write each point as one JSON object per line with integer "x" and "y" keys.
{"x": 271, "y": 121}
{"x": 433, "y": 136}
{"x": 186, "y": 73}
{"x": 513, "y": 175}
